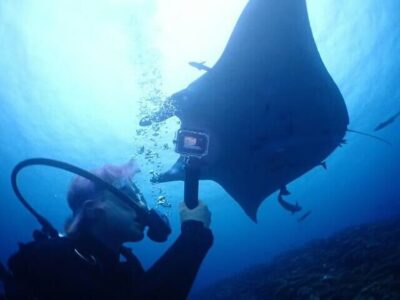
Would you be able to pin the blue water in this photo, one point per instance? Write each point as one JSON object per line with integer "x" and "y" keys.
{"x": 76, "y": 78}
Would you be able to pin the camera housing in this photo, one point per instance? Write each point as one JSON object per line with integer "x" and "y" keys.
{"x": 191, "y": 143}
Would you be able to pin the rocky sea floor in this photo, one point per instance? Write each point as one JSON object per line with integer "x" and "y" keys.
{"x": 361, "y": 262}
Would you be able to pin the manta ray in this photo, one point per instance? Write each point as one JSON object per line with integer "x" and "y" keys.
{"x": 269, "y": 106}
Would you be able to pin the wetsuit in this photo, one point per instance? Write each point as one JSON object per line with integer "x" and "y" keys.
{"x": 66, "y": 268}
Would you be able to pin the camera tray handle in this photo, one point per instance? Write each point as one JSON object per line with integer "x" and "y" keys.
{"x": 192, "y": 174}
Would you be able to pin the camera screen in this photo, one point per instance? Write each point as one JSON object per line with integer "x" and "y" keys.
{"x": 191, "y": 143}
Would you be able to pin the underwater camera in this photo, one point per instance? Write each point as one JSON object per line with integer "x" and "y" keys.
{"x": 193, "y": 146}
{"x": 191, "y": 143}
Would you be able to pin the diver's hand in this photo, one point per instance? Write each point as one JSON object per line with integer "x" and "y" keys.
{"x": 200, "y": 213}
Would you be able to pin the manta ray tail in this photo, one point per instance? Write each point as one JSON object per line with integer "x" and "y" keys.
{"x": 370, "y": 135}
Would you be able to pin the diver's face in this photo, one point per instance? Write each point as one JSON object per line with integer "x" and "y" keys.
{"x": 122, "y": 220}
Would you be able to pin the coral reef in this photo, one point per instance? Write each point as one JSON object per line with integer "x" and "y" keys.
{"x": 361, "y": 263}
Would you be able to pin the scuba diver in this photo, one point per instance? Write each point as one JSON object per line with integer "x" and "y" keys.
{"x": 86, "y": 264}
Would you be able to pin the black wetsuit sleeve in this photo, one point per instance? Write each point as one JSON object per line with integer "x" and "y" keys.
{"x": 38, "y": 270}
{"x": 172, "y": 276}
{"x": 29, "y": 269}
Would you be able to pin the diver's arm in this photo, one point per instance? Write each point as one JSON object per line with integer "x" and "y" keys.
{"x": 173, "y": 274}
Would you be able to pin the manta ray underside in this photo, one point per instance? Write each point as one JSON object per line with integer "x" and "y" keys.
{"x": 269, "y": 105}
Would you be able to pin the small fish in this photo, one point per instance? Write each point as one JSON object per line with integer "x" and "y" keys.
{"x": 284, "y": 191}
{"x": 303, "y": 217}
{"x": 199, "y": 66}
{"x": 293, "y": 208}
{"x": 387, "y": 122}
{"x": 323, "y": 164}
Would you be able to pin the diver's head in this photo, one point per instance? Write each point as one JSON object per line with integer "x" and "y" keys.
{"x": 99, "y": 212}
